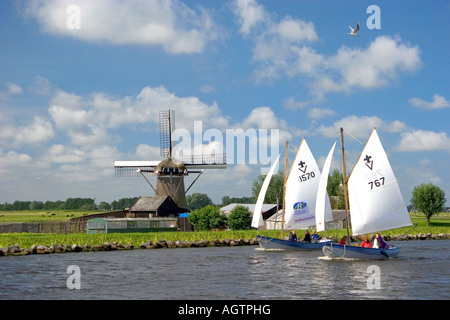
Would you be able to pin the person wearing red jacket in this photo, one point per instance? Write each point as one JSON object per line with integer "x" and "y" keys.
{"x": 366, "y": 243}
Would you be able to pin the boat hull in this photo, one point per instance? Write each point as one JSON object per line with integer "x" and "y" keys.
{"x": 343, "y": 251}
{"x": 279, "y": 244}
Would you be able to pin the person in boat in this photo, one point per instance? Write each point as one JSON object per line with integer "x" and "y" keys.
{"x": 343, "y": 240}
{"x": 380, "y": 241}
{"x": 292, "y": 236}
{"x": 366, "y": 242}
{"x": 315, "y": 237}
{"x": 307, "y": 237}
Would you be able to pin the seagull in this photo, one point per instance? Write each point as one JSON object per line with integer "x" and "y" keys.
{"x": 354, "y": 31}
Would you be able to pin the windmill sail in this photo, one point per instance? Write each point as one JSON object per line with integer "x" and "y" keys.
{"x": 376, "y": 202}
{"x": 257, "y": 220}
{"x": 301, "y": 189}
{"x": 323, "y": 206}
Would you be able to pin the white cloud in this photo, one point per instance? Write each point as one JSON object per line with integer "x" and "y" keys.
{"x": 282, "y": 49}
{"x": 250, "y": 14}
{"x": 11, "y": 90}
{"x": 12, "y": 164}
{"x": 318, "y": 113}
{"x": 295, "y": 30}
{"x": 41, "y": 86}
{"x": 438, "y": 102}
{"x": 375, "y": 66}
{"x": 360, "y": 127}
{"x": 422, "y": 140}
{"x": 170, "y": 24}
{"x": 38, "y": 132}
{"x": 291, "y": 104}
{"x": 59, "y": 153}
{"x": 207, "y": 89}
{"x": 14, "y": 89}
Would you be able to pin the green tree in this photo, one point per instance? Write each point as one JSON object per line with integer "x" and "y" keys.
{"x": 226, "y": 201}
{"x": 7, "y": 207}
{"x": 274, "y": 191}
{"x": 104, "y": 206}
{"x": 198, "y": 200}
{"x": 207, "y": 218}
{"x": 334, "y": 180}
{"x": 240, "y": 218}
{"x": 36, "y": 205}
{"x": 428, "y": 199}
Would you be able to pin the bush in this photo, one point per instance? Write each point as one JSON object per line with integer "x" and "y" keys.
{"x": 240, "y": 218}
{"x": 207, "y": 218}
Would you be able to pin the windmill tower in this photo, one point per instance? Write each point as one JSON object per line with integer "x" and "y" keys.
{"x": 170, "y": 172}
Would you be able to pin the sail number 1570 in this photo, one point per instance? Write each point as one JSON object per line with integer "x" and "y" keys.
{"x": 306, "y": 176}
{"x": 377, "y": 183}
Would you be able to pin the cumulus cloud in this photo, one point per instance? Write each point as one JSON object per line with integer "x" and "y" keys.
{"x": 59, "y": 153}
{"x": 11, "y": 90}
{"x": 170, "y": 24}
{"x": 249, "y": 14}
{"x": 283, "y": 48}
{"x": 360, "y": 127}
{"x": 422, "y": 140}
{"x": 439, "y": 102}
{"x": 38, "y": 132}
{"x": 318, "y": 113}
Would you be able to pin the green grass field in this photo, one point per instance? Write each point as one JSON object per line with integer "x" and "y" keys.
{"x": 40, "y": 216}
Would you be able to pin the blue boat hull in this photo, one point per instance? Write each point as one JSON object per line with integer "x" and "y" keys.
{"x": 279, "y": 244}
{"x": 343, "y": 251}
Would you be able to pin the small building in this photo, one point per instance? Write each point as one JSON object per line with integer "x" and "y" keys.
{"x": 130, "y": 225}
{"x": 267, "y": 209}
{"x": 160, "y": 206}
{"x": 155, "y": 207}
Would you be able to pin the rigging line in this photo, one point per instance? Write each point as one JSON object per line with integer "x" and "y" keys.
{"x": 353, "y": 137}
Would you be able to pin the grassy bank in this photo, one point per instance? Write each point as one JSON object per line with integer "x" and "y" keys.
{"x": 439, "y": 224}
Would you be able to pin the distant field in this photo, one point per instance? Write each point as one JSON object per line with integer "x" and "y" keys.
{"x": 39, "y": 216}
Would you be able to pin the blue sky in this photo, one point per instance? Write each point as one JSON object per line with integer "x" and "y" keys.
{"x": 82, "y": 82}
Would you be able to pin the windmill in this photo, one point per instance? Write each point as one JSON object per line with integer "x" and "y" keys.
{"x": 170, "y": 172}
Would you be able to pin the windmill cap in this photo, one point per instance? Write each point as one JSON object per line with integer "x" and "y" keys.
{"x": 170, "y": 163}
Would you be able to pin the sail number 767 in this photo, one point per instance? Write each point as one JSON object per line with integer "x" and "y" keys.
{"x": 377, "y": 183}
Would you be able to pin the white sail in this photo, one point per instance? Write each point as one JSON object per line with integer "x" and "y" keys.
{"x": 301, "y": 190}
{"x": 323, "y": 206}
{"x": 376, "y": 202}
{"x": 257, "y": 220}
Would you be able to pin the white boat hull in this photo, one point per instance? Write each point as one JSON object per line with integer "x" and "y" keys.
{"x": 351, "y": 252}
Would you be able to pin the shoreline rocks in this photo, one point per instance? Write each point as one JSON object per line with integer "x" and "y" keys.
{"x": 16, "y": 250}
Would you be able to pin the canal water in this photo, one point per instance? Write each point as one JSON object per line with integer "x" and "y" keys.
{"x": 227, "y": 273}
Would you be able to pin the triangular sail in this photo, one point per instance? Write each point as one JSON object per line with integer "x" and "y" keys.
{"x": 301, "y": 189}
{"x": 257, "y": 220}
{"x": 323, "y": 206}
{"x": 376, "y": 202}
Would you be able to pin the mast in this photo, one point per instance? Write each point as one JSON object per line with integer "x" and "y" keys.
{"x": 284, "y": 191}
{"x": 344, "y": 178}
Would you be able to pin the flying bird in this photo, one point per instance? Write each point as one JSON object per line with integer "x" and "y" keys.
{"x": 354, "y": 31}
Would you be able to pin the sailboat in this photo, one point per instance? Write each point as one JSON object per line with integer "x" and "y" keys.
{"x": 376, "y": 203}
{"x": 299, "y": 201}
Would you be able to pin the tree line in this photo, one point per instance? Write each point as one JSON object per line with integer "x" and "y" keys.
{"x": 69, "y": 204}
